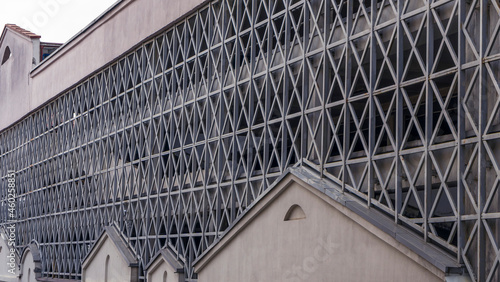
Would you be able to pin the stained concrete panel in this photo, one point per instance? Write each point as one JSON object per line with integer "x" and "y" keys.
{"x": 114, "y": 34}
{"x": 166, "y": 267}
{"x": 100, "y": 268}
{"x": 23, "y": 88}
{"x": 15, "y": 88}
{"x": 326, "y": 245}
{"x": 163, "y": 273}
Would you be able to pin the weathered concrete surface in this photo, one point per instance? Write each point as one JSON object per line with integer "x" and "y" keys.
{"x": 165, "y": 268}
{"x": 326, "y": 245}
{"x": 163, "y": 273}
{"x": 116, "y": 32}
{"x": 116, "y": 267}
{"x": 15, "y": 88}
{"x": 110, "y": 260}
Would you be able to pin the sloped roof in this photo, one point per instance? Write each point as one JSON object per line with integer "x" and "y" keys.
{"x": 168, "y": 255}
{"x": 112, "y": 233}
{"x": 32, "y": 248}
{"x": 329, "y": 189}
{"x": 21, "y": 31}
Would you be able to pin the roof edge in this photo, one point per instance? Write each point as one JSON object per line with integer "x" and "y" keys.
{"x": 329, "y": 190}
{"x": 32, "y": 248}
{"x": 21, "y": 31}
{"x": 8, "y": 27}
{"x": 79, "y": 35}
{"x": 47, "y": 101}
{"x": 168, "y": 255}
{"x": 112, "y": 233}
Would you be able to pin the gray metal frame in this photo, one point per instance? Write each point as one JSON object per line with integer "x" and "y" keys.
{"x": 397, "y": 101}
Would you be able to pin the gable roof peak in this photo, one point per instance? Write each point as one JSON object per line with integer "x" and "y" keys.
{"x": 22, "y": 31}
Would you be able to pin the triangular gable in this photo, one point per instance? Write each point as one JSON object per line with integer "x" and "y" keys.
{"x": 167, "y": 254}
{"x": 18, "y": 30}
{"x": 31, "y": 262}
{"x": 165, "y": 262}
{"x": 329, "y": 191}
{"x": 112, "y": 233}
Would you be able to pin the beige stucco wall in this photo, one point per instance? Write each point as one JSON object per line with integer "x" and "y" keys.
{"x": 158, "y": 270}
{"x": 27, "y": 268}
{"x": 118, "y": 270}
{"x": 326, "y": 246}
{"x": 5, "y": 261}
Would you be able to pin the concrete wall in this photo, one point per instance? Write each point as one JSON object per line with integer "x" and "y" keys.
{"x": 28, "y": 268}
{"x": 160, "y": 270}
{"x": 15, "y": 90}
{"x": 325, "y": 246}
{"x": 116, "y": 268}
{"x": 129, "y": 23}
{"x": 115, "y": 33}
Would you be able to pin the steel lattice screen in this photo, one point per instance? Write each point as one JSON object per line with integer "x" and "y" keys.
{"x": 396, "y": 100}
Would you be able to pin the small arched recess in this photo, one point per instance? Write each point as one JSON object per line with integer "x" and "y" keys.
{"x": 295, "y": 212}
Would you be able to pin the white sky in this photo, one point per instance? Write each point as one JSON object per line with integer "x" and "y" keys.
{"x": 55, "y": 20}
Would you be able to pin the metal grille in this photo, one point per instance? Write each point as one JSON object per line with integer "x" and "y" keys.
{"x": 396, "y": 100}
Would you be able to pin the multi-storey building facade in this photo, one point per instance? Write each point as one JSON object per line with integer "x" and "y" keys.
{"x": 174, "y": 134}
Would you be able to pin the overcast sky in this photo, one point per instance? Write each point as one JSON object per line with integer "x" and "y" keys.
{"x": 55, "y": 20}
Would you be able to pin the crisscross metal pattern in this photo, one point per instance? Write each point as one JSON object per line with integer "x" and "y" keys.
{"x": 398, "y": 101}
